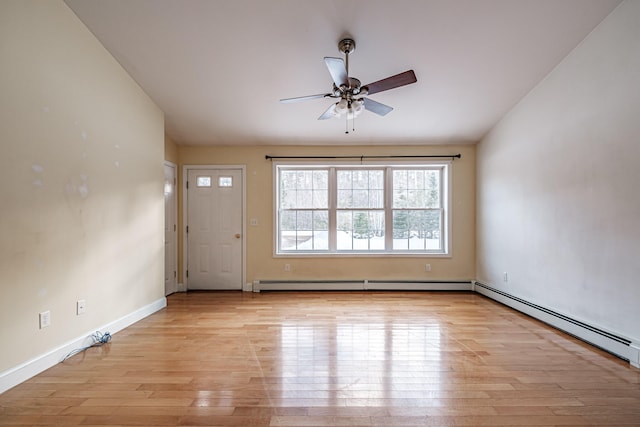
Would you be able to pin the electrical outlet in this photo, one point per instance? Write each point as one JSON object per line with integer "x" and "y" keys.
{"x": 45, "y": 319}
{"x": 287, "y": 267}
{"x": 253, "y": 221}
{"x": 427, "y": 267}
{"x": 81, "y": 307}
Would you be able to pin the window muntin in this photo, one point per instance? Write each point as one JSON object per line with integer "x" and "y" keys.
{"x": 354, "y": 209}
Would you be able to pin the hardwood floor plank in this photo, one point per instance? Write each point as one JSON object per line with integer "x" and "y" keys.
{"x": 332, "y": 359}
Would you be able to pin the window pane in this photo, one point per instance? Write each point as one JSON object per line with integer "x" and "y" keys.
{"x": 287, "y": 198}
{"x": 361, "y": 188}
{"x": 304, "y": 199}
{"x": 417, "y": 230}
{"x": 320, "y": 199}
{"x": 360, "y": 199}
{"x": 321, "y": 220}
{"x": 415, "y": 179}
{"x": 288, "y": 220}
{"x": 360, "y": 230}
{"x": 376, "y": 199}
{"x": 320, "y": 240}
{"x": 288, "y": 230}
{"x": 320, "y": 179}
{"x": 416, "y": 188}
{"x": 376, "y": 179}
{"x": 432, "y": 188}
{"x": 287, "y": 180}
{"x": 304, "y": 180}
{"x": 304, "y": 230}
{"x": 400, "y": 225}
{"x": 304, "y": 221}
{"x": 360, "y": 179}
{"x": 400, "y": 198}
{"x": 320, "y": 230}
{"x": 345, "y": 198}
{"x": 225, "y": 181}
{"x": 344, "y": 179}
{"x": 399, "y": 180}
{"x": 304, "y": 189}
{"x": 203, "y": 181}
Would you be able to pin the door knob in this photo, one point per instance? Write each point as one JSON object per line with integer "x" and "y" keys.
{"x": 238, "y": 236}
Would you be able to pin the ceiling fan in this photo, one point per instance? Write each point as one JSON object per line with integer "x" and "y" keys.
{"x": 348, "y": 90}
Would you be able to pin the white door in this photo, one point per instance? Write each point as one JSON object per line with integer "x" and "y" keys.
{"x": 170, "y": 230}
{"x": 214, "y": 229}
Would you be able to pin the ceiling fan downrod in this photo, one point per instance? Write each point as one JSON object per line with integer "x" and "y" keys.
{"x": 347, "y": 46}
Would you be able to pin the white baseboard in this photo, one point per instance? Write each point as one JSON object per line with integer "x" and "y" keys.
{"x": 361, "y": 285}
{"x": 609, "y": 341}
{"x": 18, "y": 374}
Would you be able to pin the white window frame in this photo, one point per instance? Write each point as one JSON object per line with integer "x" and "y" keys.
{"x": 445, "y": 196}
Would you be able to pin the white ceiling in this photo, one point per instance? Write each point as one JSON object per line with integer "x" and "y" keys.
{"x": 218, "y": 68}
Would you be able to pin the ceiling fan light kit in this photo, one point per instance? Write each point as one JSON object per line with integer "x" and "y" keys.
{"x": 350, "y": 92}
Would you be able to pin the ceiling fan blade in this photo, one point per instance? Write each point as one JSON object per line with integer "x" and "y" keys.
{"x": 392, "y": 82}
{"x": 304, "y": 98}
{"x": 337, "y": 70}
{"x": 328, "y": 113}
{"x": 376, "y": 107}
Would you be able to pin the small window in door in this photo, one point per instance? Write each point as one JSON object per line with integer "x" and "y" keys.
{"x": 203, "y": 181}
{"x": 225, "y": 181}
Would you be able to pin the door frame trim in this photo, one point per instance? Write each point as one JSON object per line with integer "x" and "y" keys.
{"x": 185, "y": 245}
{"x": 174, "y": 208}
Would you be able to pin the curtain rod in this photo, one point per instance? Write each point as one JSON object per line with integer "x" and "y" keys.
{"x": 448, "y": 156}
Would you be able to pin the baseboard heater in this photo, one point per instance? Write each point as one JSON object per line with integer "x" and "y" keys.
{"x": 362, "y": 285}
{"x": 605, "y": 340}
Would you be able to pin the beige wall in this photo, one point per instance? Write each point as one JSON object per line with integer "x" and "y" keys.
{"x": 558, "y": 204}
{"x": 261, "y": 263}
{"x": 170, "y": 150}
{"x": 81, "y": 182}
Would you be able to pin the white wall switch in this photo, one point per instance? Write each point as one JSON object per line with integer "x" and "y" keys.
{"x": 45, "y": 319}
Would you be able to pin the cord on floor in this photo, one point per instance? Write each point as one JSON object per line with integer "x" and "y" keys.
{"x": 99, "y": 339}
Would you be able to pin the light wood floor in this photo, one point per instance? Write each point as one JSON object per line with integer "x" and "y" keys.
{"x": 332, "y": 359}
